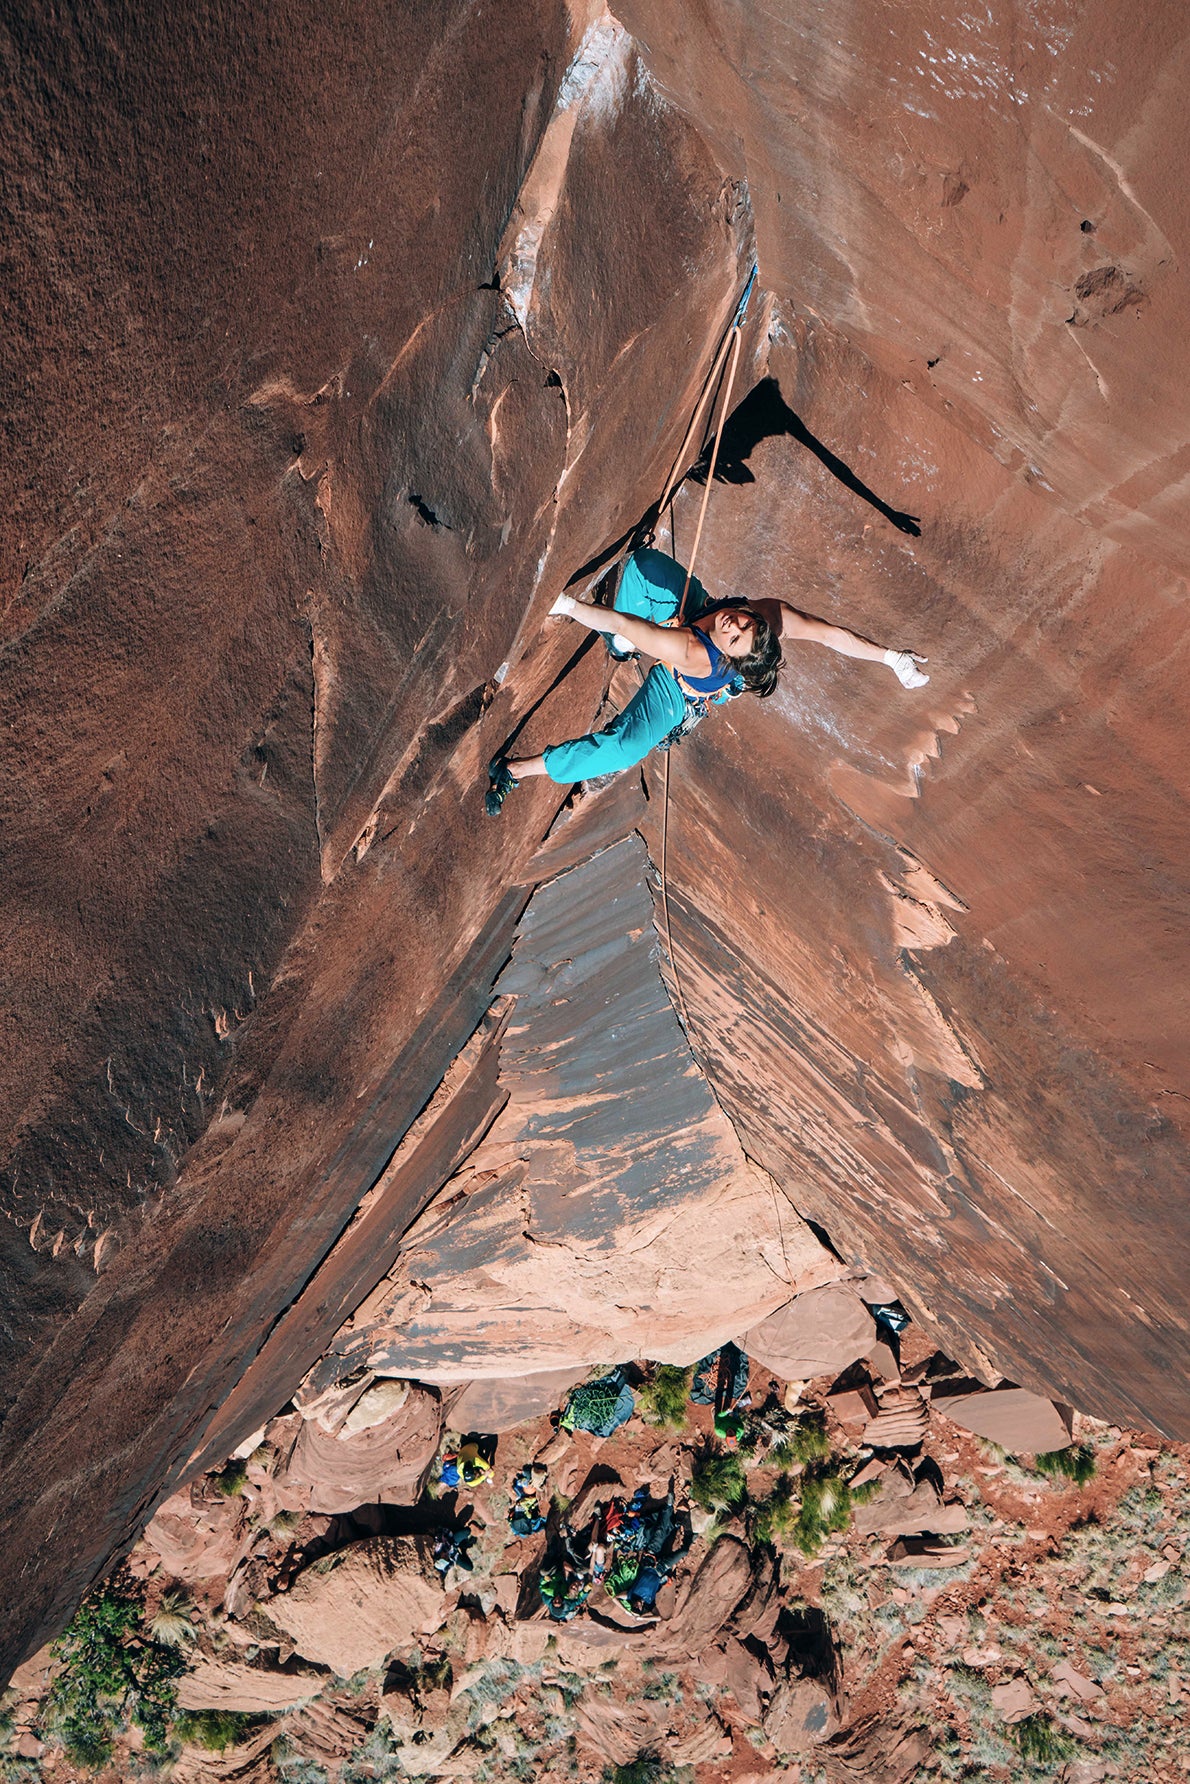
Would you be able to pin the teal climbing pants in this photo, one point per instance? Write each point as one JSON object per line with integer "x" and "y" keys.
{"x": 651, "y": 588}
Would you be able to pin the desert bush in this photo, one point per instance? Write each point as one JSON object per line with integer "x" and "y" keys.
{"x": 663, "y": 1399}
{"x": 231, "y": 1478}
{"x": 1041, "y": 1742}
{"x": 646, "y": 1768}
{"x": 295, "y": 1768}
{"x": 110, "y": 1671}
{"x": 1076, "y": 1462}
{"x": 172, "y": 1624}
{"x": 717, "y": 1481}
{"x": 805, "y": 1441}
{"x": 216, "y": 1730}
{"x": 776, "y": 1515}
{"x": 825, "y": 1508}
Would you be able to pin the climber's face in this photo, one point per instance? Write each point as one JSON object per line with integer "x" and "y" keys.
{"x": 734, "y": 631}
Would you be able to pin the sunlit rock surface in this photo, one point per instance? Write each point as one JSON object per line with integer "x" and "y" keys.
{"x": 336, "y": 346}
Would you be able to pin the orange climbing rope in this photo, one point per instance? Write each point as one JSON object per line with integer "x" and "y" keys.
{"x": 733, "y": 340}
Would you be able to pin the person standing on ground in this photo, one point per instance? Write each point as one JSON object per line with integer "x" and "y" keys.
{"x": 724, "y": 648}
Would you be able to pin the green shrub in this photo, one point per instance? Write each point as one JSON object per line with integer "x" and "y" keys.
{"x": 776, "y": 1515}
{"x": 1076, "y": 1462}
{"x": 230, "y": 1479}
{"x": 109, "y": 1671}
{"x": 647, "y": 1768}
{"x": 806, "y": 1441}
{"x": 1040, "y": 1741}
{"x": 663, "y": 1400}
{"x": 717, "y": 1481}
{"x": 216, "y": 1730}
{"x": 826, "y": 1507}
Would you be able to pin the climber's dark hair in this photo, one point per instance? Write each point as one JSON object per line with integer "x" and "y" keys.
{"x": 758, "y": 670}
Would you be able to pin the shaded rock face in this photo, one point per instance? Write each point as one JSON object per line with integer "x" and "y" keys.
{"x": 341, "y": 345}
{"x": 292, "y": 482}
{"x": 609, "y": 1210}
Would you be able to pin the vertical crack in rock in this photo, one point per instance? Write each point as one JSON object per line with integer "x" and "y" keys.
{"x": 321, "y": 680}
{"x": 595, "y": 78}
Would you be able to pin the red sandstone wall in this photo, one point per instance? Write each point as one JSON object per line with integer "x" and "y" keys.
{"x": 290, "y": 484}
{"x": 938, "y": 941}
{"x": 289, "y": 481}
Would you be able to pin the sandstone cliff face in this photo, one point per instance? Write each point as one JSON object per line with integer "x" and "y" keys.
{"x": 294, "y": 482}
{"x": 959, "y": 920}
{"x": 338, "y": 346}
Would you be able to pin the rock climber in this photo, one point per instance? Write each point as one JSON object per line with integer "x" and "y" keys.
{"x": 470, "y": 1464}
{"x": 525, "y": 1515}
{"x": 725, "y": 648}
{"x": 563, "y": 1591}
{"x": 450, "y": 1549}
{"x": 638, "y": 1576}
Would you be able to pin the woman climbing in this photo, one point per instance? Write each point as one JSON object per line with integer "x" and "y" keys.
{"x": 725, "y": 648}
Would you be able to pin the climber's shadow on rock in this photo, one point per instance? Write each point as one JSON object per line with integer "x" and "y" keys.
{"x": 765, "y": 415}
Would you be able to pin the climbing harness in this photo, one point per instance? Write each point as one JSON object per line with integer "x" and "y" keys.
{"x": 730, "y": 351}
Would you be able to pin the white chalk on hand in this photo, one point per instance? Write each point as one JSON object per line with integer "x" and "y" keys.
{"x": 903, "y": 664}
{"x": 564, "y": 605}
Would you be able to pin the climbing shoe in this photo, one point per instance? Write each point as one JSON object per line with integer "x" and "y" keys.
{"x": 619, "y": 647}
{"x": 501, "y": 781}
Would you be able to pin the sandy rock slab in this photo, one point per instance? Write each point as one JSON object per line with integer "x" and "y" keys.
{"x": 1021, "y": 1422}
{"x": 244, "y": 1690}
{"x": 353, "y": 1609}
{"x": 503, "y": 1404}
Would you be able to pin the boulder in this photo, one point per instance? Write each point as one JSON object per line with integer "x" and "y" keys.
{"x": 1014, "y": 1700}
{"x": 901, "y": 1422}
{"x": 199, "y": 1538}
{"x": 749, "y": 1678}
{"x": 707, "y": 1744}
{"x": 894, "y": 1512}
{"x": 727, "y": 1595}
{"x": 1075, "y": 1684}
{"x": 31, "y": 1678}
{"x": 381, "y": 1450}
{"x": 1019, "y": 1421}
{"x": 352, "y": 1609}
{"x": 818, "y": 1333}
{"x": 618, "y": 1733}
{"x": 878, "y": 1750}
{"x": 802, "y": 1713}
{"x": 729, "y": 1591}
{"x": 926, "y": 1551}
{"x": 853, "y": 1406}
